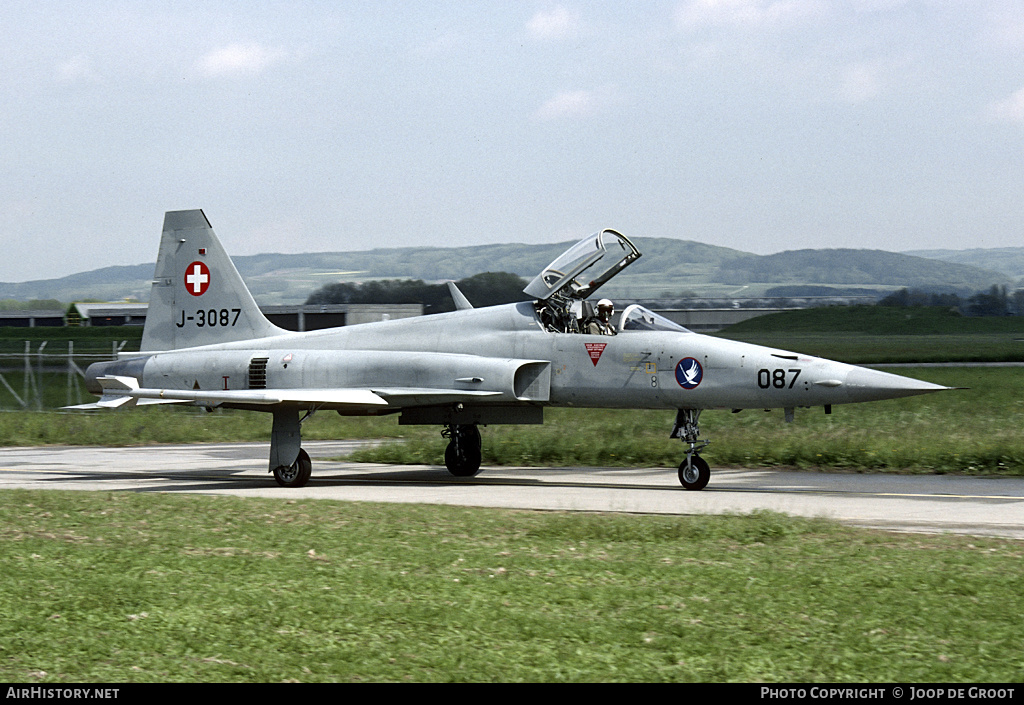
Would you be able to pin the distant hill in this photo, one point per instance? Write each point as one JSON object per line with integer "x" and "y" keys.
{"x": 107, "y": 284}
{"x": 1007, "y": 260}
{"x": 291, "y": 278}
{"x": 844, "y": 267}
{"x": 668, "y": 268}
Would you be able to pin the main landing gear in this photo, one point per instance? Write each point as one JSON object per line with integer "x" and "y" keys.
{"x": 463, "y": 454}
{"x": 294, "y": 475}
{"x": 694, "y": 472}
{"x": 288, "y": 461}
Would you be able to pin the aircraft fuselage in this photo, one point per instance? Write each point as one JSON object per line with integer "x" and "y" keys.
{"x": 207, "y": 343}
{"x": 517, "y": 362}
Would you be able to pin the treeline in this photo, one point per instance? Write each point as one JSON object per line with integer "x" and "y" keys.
{"x": 487, "y": 289}
{"x": 33, "y": 305}
{"x": 997, "y": 301}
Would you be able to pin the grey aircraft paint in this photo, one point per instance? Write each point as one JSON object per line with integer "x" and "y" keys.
{"x": 207, "y": 343}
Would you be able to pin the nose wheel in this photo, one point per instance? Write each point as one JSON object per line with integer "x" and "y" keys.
{"x": 694, "y": 472}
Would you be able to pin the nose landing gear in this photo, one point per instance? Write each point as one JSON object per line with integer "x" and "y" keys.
{"x": 694, "y": 472}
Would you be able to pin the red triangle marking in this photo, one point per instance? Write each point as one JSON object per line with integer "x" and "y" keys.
{"x": 595, "y": 350}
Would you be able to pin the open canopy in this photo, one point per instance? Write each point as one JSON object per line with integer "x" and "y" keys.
{"x": 583, "y": 268}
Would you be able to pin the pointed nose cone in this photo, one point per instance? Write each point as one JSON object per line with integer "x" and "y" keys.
{"x": 863, "y": 384}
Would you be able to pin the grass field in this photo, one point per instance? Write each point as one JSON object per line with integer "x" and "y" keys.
{"x": 859, "y": 349}
{"x": 975, "y": 430}
{"x": 853, "y": 334}
{"x": 881, "y": 334}
{"x": 117, "y": 587}
{"x": 136, "y": 587}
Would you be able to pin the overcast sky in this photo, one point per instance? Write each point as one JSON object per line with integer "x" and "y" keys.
{"x": 762, "y": 125}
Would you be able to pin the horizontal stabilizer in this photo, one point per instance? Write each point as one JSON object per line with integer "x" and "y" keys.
{"x": 113, "y": 383}
{"x": 107, "y": 401}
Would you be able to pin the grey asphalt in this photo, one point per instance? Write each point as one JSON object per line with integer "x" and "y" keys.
{"x": 920, "y": 503}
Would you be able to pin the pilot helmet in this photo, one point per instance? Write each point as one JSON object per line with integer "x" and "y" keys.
{"x": 604, "y": 304}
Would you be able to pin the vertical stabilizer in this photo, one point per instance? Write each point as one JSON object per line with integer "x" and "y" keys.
{"x": 198, "y": 297}
{"x": 461, "y": 302}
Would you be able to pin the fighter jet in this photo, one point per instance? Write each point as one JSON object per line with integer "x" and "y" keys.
{"x": 206, "y": 343}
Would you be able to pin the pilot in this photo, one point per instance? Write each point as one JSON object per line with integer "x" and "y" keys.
{"x": 602, "y": 324}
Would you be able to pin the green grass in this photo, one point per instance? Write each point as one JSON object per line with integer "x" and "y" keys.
{"x": 855, "y": 334}
{"x": 966, "y": 431}
{"x": 149, "y": 425}
{"x": 115, "y": 587}
{"x": 881, "y": 334}
{"x": 974, "y": 431}
{"x": 860, "y": 349}
{"x": 47, "y": 386}
{"x": 881, "y": 320}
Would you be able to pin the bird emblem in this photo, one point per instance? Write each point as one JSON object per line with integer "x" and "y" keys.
{"x": 689, "y": 373}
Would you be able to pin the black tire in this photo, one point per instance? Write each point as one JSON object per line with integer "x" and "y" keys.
{"x": 463, "y": 455}
{"x": 695, "y": 477}
{"x": 297, "y": 474}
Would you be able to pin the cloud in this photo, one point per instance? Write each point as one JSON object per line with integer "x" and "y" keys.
{"x": 557, "y": 23}
{"x": 569, "y": 104}
{"x": 238, "y": 59}
{"x": 860, "y": 83}
{"x": 77, "y": 68}
{"x": 1010, "y": 109}
{"x": 694, "y": 14}
{"x": 1003, "y": 27}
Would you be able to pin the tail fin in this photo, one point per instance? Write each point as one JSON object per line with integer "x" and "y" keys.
{"x": 198, "y": 297}
{"x": 461, "y": 302}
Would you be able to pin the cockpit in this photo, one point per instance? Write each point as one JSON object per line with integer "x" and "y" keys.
{"x": 636, "y": 318}
{"x": 561, "y": 290}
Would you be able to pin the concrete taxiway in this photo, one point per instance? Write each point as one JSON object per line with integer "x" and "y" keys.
{"x": 923, "y": 503}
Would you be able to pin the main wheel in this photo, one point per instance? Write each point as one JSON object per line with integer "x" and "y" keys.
{"x": 696, "y": 476}
{"x": 463, "y": 454}
{"x": 297, "y": 474}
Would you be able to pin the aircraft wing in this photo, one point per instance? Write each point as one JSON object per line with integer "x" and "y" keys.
{"x": 125, "y": 391}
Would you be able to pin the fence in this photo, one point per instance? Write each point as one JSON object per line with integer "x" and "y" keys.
{"x": 41, "y": 379}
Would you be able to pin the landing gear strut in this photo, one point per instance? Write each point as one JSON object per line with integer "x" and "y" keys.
{"x": 694, "y": 472}
{"x": 463, "y": 454}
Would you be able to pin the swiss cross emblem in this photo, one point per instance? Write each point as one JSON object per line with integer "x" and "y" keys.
{"x": 595, "y": 350}
{"x": 197, "y": 278}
